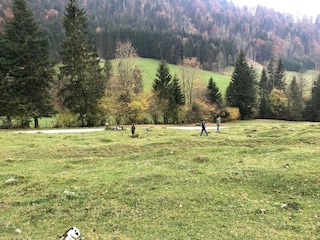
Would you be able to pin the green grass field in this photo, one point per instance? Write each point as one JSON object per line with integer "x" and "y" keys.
{"x": 149, "y": 68}
{"x": 252, "y": 180}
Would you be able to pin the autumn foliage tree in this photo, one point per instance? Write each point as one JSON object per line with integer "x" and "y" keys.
{"x": 189, "y": 72}
{"x": 126, "y": 86}
{"x": 278, "y": 103}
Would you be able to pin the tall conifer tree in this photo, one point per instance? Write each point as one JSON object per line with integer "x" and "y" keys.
{"x": 271, "y": 69}
{"x": 242, "y": 90}
{"x": 264, "y": 108}
{"x": 83, "y": 83}
{"x": 8, "y": 100}
{"x": 312, "y": 112}
{"x": 28, "y": 72}
{"x": 177, "y": 99}
{"x": 279, "y": 80}
{"x": 295, "y": 104}
{"x": 162, "y": 89}
{"x": 214, "y": 96}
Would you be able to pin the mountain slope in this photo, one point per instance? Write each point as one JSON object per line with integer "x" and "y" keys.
{"x": 211, "y": 30}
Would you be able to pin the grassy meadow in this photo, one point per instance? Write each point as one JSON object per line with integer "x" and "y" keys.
{"x": 252, "y": 180}
{"x": 149, "y": 68}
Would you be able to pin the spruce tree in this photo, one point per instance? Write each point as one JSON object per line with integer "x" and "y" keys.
{"x": 264, "y": 108}
{"x": 28, "y": 69}
{"x": 83, "y": 83}
{"x": 279, "y": 80}
{"x": 8, "y": 100}
{"x": 312, "y": 112}
{"x": 162, "y": 89}
{"x": 242, "y": 90}
{"x": 214, "y": 96}
{"x": 270, "y": 75}
{"x": 177, "y": 99}
{"x": 295, "y": 105}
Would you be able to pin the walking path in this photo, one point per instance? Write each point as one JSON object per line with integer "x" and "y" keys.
{"x": 194, "y": 127}
{"x": 83, "y": 130}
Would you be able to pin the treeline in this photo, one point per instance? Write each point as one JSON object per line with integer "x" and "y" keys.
{"x": 84, "y": 90}
{"x": 213, "y": 31}
{"x": 171, "y": 46}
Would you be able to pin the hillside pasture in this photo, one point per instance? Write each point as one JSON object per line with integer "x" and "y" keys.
{"x": 149, "y": 68}
{"x": 252, "y": 180}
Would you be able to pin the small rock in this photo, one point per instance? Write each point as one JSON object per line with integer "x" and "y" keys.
{"x": 10, "y": 180}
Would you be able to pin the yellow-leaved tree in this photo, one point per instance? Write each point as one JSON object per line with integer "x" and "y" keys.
{"x": 278, "y": 102}
{"x": 125, "y": 86}
{"x": 138, "y": 108}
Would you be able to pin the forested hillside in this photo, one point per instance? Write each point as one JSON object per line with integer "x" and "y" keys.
{"x": 87, "y": 87}
{"x": 214, "y": 31}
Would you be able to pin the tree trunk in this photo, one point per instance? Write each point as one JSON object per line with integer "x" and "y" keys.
{"x": 9, "y": 122}
{"x": 36, "y": 122}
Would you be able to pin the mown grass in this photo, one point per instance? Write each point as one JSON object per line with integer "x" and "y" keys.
{"x": 253, "y": 180}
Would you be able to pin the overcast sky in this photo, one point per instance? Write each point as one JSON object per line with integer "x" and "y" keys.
{"x": 296, "y": 8}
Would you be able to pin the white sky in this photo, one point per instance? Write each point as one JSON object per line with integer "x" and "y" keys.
{"x": 294, "y": 7}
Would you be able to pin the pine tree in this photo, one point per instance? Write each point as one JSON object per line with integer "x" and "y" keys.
{"x": 270, "y": 75}
{"x": 214, "y": 96}
{"x": 295, "y": 105}
{"x": 28, "y": 67}
{"x": 242, "y": 90}
{"x": 313, "y": 107}
{"x": 177, "y": 99}
{"x": 8, "y": 100}
{"x": 162, "y": 89}
{"x": 82, "y": 78}
{"x": 279, "y": 81}
{"x": 264, "y": 108}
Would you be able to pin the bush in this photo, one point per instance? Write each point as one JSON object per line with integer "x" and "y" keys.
{"x": 66, "y": 119}
{"x": 234, "y": 113}
{"x": 198, "y": 111}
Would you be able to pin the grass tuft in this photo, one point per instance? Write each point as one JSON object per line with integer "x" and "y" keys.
{"x": 201, "y": 159}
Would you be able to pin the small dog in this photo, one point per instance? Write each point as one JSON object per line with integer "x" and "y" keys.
{"x": 72, "y": 234}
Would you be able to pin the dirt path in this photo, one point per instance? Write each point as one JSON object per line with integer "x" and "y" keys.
{"x": 84, "y": 130}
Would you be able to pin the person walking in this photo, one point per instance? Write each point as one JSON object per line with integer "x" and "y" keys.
{"x": 203, "y": 127}
{"x": 218, "y": 123}
{"x": 133, "y": 129}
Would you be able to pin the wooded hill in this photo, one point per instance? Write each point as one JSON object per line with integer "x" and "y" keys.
{"x": 89, "y": 89}
{"x": 214, "y": 31}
